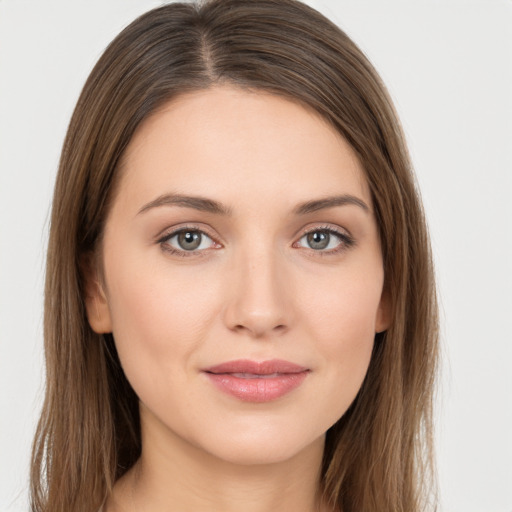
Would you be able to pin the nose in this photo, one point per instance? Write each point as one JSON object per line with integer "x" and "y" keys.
{"x": 259, "y": 304}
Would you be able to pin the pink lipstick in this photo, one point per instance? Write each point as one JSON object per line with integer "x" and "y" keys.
{"x": 253, "y": 381}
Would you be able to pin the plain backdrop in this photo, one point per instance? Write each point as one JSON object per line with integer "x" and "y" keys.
{"x": 448, "y": 66}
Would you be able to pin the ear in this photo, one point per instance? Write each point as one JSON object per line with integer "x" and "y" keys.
{"x": 383, "y": 317}
{"x": 96, "y": 302}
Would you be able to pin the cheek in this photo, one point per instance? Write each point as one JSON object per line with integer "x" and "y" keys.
{"x": 344, "y": 306}
{"x": 159, "y": 317}
{"x": 341, "y": 321}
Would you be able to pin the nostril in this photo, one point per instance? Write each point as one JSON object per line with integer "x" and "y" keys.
{"x": 260, "y": 330}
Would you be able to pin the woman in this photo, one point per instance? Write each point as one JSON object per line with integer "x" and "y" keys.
{"x": 240, "y": 308}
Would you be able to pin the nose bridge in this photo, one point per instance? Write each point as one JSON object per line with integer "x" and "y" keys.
{"x": 259, "y": 304}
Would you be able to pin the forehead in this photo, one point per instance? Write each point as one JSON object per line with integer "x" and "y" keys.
{"x": 233, "y": 144}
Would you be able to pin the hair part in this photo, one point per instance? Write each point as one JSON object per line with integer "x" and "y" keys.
{"x": 378, "y": 456}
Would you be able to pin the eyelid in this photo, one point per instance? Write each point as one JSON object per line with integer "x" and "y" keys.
{"x": 192, "y": 226}
{"x": 344, "y": 236}
{"x": 334, "y": 228}
{"x": 164, "y": 236}
{"x": 346, "y": 240}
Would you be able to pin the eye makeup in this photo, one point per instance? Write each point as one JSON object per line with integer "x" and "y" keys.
{"x": 187, "y": 241}
{"x": 194, "y": 241}
{"x": 320, "y": 240}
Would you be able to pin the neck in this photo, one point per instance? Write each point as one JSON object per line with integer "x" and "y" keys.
{"x": 173, "y": 475}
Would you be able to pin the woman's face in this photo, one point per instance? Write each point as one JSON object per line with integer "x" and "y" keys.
{"x": 242, "y": 275}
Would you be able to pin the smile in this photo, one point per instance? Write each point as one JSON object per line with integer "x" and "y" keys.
{"x": 252, "y": 381}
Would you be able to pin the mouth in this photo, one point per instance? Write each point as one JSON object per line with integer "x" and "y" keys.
{"x": 253, "y": 381}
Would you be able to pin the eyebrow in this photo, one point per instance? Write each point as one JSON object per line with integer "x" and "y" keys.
{"x": 196, "y": 202}
{"x": 210, "y": 206}
{"x": 330, "y": 202}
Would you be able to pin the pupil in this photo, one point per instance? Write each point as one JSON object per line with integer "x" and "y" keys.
{"x": 318, "y": 240}
{"x": 189, "y": 240}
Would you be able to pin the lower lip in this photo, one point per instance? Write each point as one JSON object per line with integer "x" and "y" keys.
{"x": 263, "y": 389}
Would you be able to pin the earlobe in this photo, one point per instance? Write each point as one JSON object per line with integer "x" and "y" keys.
{"x": 96, "y": 303}
{"x": 383, "y": 317}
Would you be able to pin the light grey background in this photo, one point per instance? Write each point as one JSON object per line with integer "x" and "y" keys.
{"x": 448, "y": 65}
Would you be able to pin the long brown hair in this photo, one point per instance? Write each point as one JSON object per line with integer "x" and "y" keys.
{"x": 378, "y": 456}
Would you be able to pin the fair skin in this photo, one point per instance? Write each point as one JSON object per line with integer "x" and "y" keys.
{"x": 266, "y": 272}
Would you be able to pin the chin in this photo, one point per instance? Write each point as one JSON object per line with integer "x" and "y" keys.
{"x": 262, "y": 447}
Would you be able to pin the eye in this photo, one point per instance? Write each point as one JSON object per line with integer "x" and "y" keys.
{"x": 186, "y": 240}
{"x": 325, "y": 240}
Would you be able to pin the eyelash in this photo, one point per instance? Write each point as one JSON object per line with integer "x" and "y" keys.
{"x": 164, "y": 242}
{"x": 345, "y": 241}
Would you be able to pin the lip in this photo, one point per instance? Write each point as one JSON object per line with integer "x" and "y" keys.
{"x": 253, "y": 381}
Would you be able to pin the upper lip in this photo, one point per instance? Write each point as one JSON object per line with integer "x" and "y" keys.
{"x": 257, "y": 367}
